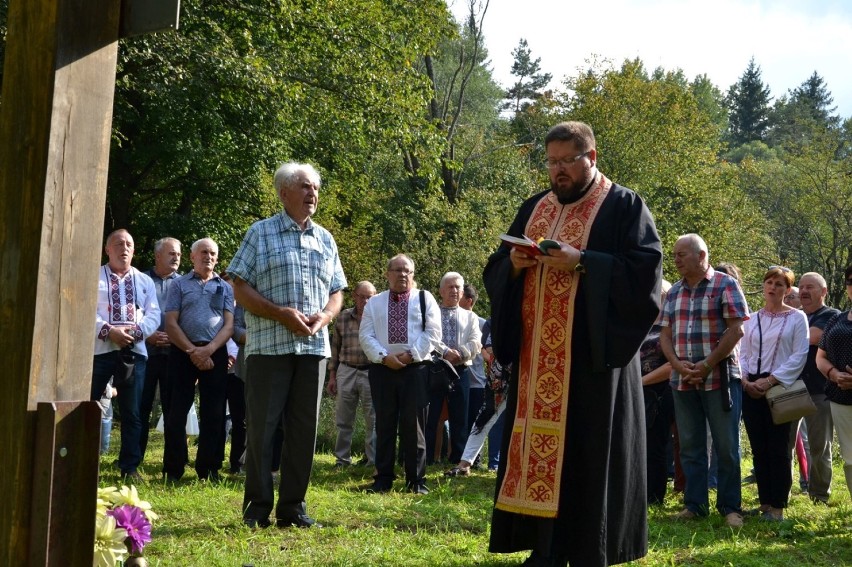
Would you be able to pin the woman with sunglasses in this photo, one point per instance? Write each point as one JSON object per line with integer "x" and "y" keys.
{"x": 834, "y": 360}
{"x": 774, "y": 350}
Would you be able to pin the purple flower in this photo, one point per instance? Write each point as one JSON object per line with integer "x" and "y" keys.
{"x": 133, "y": 520}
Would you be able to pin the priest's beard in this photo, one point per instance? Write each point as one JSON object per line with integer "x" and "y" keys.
{"x": 569, "y": 191}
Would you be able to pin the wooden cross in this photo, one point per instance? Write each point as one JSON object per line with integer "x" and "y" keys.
{"x": 55, "y": 123}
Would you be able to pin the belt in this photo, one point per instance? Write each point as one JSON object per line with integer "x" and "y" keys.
{"x": 358, "y": 366}
{"x": 201, "y": 343}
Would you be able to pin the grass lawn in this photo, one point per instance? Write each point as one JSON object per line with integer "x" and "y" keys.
{"x": 200, "y": 523}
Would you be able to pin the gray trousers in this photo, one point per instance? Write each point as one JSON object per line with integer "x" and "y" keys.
{"x": 353, "y": 387}
{"x": 820, "y": 435}
{"x": 281, "y": 387}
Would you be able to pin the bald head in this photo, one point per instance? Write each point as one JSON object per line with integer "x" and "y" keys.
{"x": 812, "y": 291}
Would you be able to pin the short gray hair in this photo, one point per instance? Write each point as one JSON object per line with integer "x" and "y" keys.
{"x": 451, "y": 276}
{"x": 818, "y": 277}
{"x": 286, "y": 175}
{"x": 397, "y": 257}
{"x": 158, "y": 245}
{"x": 698, "y": 244}
{"x": 198, "y": 242}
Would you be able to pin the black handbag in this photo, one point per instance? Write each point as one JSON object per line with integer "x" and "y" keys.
{"x": 441, "y": 377}
{"x": 123, "y": 372}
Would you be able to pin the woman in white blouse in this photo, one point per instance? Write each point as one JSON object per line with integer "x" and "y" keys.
{"x": 774, "y": 350}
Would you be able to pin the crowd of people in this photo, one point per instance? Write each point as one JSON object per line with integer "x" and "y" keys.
{"x": 606, "y": 375}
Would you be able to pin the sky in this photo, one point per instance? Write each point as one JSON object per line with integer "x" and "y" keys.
{"x": 788, "y": 39}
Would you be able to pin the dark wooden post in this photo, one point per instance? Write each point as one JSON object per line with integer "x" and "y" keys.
{"x": 55, "y": 119}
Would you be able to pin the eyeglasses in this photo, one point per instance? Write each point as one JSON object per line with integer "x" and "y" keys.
{"x": 362, "y": 296}
{"x": 402, "y": 271}
{"x": 563, "y": 162}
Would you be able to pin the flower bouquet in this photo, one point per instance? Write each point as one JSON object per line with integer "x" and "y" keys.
{"x": 122, "y": 527}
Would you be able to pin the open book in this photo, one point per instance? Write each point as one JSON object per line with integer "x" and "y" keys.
{"x": 528, "y": 245}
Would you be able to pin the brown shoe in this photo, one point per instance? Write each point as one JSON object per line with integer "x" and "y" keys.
{"x": 734, "y": 520}
{"x": 685, "y": 514}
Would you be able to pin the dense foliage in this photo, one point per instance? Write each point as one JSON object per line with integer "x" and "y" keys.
{"x": 422, "y": 152}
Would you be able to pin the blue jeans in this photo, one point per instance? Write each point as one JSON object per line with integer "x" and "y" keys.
{"x": 694, "y": 410}
{"x": 130, "y": 455}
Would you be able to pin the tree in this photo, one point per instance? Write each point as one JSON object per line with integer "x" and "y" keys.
{"x": 748, "y": 102}
{"x": 530, "y": 78}
{"x": 653, "y": 136}
{"x": 203, "y": 117}
{"x": 804, "y": 110}
{"x": 806, "y": 195}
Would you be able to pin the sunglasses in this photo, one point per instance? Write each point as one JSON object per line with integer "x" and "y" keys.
{"x": 784, "y": 269}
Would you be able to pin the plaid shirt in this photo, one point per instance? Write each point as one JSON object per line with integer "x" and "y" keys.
{"x": 345, "y": 345}
{"x": 697, "y": 320}
{"x": 289, "y": 267}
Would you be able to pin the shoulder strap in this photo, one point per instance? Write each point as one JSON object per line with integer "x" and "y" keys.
{"x": 423, "y": 310}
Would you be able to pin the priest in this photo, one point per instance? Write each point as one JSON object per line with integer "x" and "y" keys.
{"x": 570, "y": 319}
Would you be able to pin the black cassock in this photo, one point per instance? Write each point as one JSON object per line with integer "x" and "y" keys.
{"x": 602, "y": 515}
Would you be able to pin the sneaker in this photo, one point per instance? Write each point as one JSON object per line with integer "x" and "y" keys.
{"x": 418, "y": 489}
{"x": 734, "y": 520}
{"x": 298, "y": 521}
{"x": 685, "y": 514}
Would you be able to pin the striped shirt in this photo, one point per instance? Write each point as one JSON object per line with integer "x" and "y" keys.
{"x": 292, "y": 268}
{"x": 697, "y": 320}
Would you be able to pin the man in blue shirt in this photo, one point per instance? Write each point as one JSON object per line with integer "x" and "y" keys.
{"x": 199, "y": 315}
{"x": 288, "y": 277}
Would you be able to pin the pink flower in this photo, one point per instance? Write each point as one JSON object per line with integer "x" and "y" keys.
{"x": 133, "y": 520}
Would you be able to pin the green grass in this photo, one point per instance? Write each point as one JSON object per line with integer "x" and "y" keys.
{"x": 200, "y": 523}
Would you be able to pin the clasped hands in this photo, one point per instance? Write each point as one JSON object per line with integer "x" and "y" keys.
{"x": 692, "y": 373}
{"x": 201, "y": 357}
{"x": 397, "y": 361}
{"x": 303, "y": 325}
{"x": 843, "y": 379}
{"x": 758, "y": 388}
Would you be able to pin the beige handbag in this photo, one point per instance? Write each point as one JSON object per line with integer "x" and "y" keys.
{"x": 789, "y": 403}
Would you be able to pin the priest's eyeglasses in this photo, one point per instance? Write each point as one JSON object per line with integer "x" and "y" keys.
{"x": 563, "y": 162}
{"x": 402, "y": 271}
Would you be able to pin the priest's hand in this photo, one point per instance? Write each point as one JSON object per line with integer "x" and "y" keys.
{"x": 521, "y": 261}
{"x": 565, "y": 258}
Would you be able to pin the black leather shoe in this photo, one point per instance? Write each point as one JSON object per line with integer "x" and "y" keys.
{"x": 377, "y": 488}
{"x": 300, "y": 521}
{"x": 255, "y": 523}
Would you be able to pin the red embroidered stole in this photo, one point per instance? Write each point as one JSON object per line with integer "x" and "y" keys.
{"x": 532, "y": 481}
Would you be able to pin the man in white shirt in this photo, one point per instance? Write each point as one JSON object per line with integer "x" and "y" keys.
{"x": 127, "y": 314}
{"x": 398, "y": 343}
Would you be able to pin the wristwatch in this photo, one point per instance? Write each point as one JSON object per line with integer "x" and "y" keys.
{"x": 580, "y": 267}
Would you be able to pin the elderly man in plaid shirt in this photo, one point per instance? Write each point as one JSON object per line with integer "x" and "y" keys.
{"x": 348, "y": 380}
{"x": 701, "y": 326}
{"x": 288, "y": 277}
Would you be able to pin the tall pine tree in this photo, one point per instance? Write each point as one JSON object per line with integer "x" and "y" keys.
{"x": 530, "y": 78}
{"x": 748, "y": 104}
